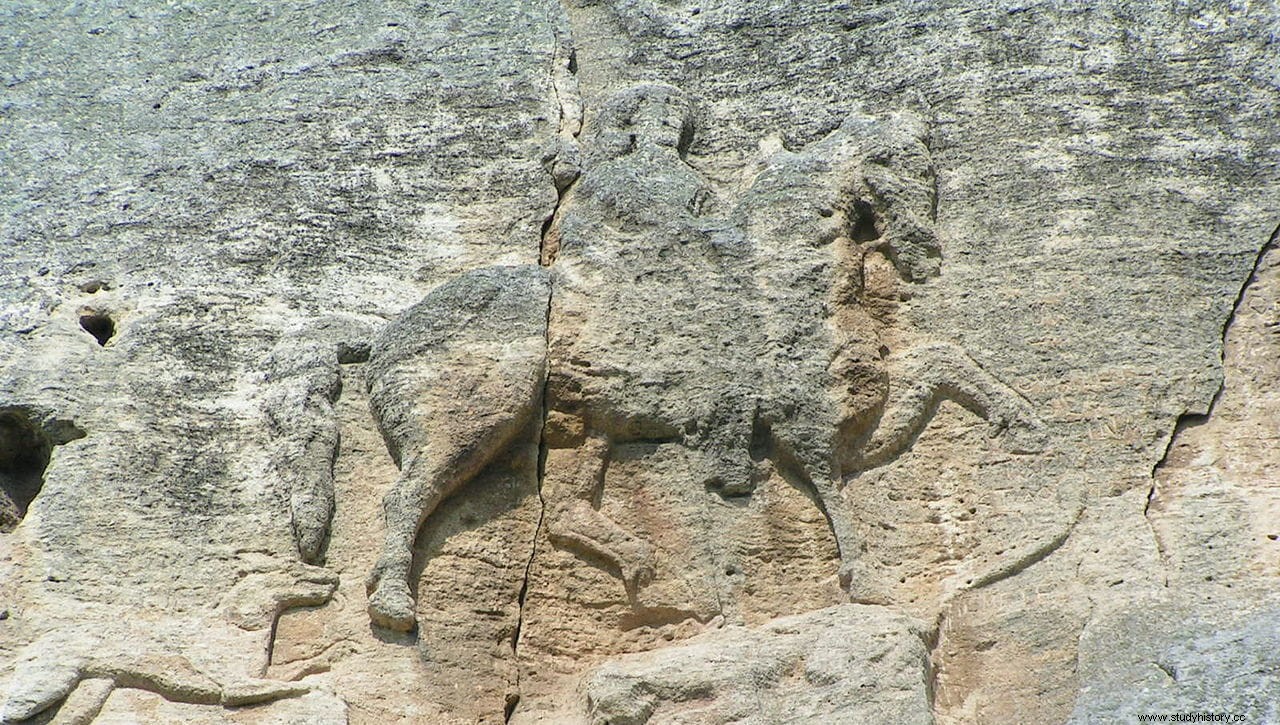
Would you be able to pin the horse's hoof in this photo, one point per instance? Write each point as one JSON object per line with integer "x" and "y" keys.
{"x": 1025, "y": 436}
{"x": 861, "y": 584}
{"x": 639, "y": 565}
{"x": 392, "y": 607}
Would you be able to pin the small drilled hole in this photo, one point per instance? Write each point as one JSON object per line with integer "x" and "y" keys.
{"x": 100, "y": 326}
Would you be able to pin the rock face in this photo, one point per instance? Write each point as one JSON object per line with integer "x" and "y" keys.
{"x": 850, "y": 663}
{"x": 637, "y": 362}
{"x": 1215, "y": 656}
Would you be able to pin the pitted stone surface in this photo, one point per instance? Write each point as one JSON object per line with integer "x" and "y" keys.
{"x": 1012, "y": 232}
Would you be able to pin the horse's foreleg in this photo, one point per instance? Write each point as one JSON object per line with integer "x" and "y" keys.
{"x": 805, "y": 457}
{"x": 938, "y": 372}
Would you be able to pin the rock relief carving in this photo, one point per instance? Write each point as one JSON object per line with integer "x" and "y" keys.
{"x": 731, "y": 329}
{"x": 303, "y": 381}
{"x": 73, "y": 668}
{"x": 87, "y": 649}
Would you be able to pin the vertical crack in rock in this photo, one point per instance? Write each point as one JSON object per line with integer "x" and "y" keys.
{"x": 563, "y": 169}
{"x": 272, "y": 634}
{"x": 933, "y": 663}
{"x": 513, "y": 699}
{"x": 1192, "y": 419}
{"x": 563, "y": 162}
{"x": 549, "y": 245}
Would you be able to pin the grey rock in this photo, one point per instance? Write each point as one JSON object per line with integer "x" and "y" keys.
{"x": 973, "y": 263}
{"x": 192, "y": 193}
{"x": 1215, "y": 654}
{"x": 850, "y": 663}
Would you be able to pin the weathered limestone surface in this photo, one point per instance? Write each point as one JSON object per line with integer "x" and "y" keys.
{"x": 851, "y": 663}
{"x": 220, "y": 180}
{"x": 637, "y": 361}
{"x": 1207, "y": 642}
{"x": 1175, "y": 654}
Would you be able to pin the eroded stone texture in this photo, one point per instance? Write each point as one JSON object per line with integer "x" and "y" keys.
{"x": 1206, "y": 643}
{"x": 899, "y": 303}
{"x": 1180, "y": 654}
{"x": 190, "y": 194}
{"x": 1214, "y": 501}
{"x": 851, "y": 663}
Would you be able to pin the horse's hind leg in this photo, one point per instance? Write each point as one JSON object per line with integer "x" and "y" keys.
{"x": 453, "y": 382}
{"x": 413, "y": 497}
{"x": 573, "y": 480}
{"x": 450, "y": 458}
{"x": 425, "y": 480}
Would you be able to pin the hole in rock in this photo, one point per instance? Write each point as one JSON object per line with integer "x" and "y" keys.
{"x": 865, "y": 222}
{"x": 100, "y": 326}
{"x": 25, "y": 448}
